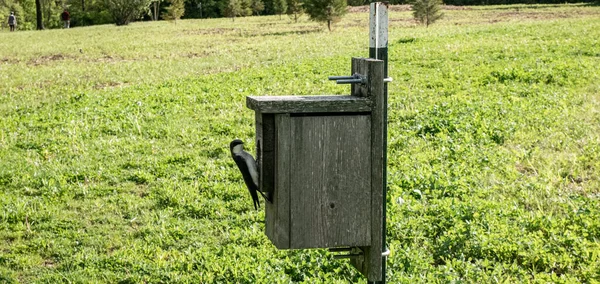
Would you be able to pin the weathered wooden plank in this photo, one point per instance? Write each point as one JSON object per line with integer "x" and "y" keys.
{"x": 266, "y": 150}
{"x": 330, "y": 182}
{"x": 278, "y": 213}
{"x": 378, "y": 49}
{"x": 307, "y": 104}
{"x": 371, "y": 264}
{"x": 259, "y": 148}
{"x": 360, "y": 90}
{"x": 305, "y": 209}
{"x": 358, "y": 66}
{"x": 348, "y": 183}
{"x": 375, "y": 91}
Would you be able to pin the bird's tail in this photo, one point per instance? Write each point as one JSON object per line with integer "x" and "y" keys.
{"x": 264, "y": 196}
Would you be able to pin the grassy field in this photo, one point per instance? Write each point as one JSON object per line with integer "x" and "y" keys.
{"x": 114, "y": 163}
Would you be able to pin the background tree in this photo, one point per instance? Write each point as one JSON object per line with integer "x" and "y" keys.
{"x": 51, "y": 11}
{"x": 175, "y": 11}
{"x": 235, "y": 8}
{"x": 295, "y": 9}
{"x": 7, "y": 6}
{"x": 329, "y": 11}
{"x": 246, "y": 8}
{"x": 198, "y": 9}
{"x": 258, "y": 6}
{"x": 88, "y": 13}
{"x": 155, "y": 9}
{"x": 125, "y": 11}
{"x": 427, "y": 11}
{"x": 365, "y": 2}
{"x": 279, "y": 7}
{"x": 38, "y": 15}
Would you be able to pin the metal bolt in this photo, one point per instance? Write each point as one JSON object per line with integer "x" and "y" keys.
{"x": 341, "y": 77}
{"x": 351, "y": 81}
{"x": 354, "y": 79}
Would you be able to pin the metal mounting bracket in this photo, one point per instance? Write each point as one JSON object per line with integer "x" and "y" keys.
{"x": 354, "y": 79}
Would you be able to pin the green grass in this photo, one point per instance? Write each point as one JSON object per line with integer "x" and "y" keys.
{"x": 114, "y": 164}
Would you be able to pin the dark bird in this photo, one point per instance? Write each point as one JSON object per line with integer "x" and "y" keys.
{"x": 247, "y": 166}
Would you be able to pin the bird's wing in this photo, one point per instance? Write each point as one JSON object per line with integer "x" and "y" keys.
{"x": 241, "y": 161}
{"x": 251, "y": 164}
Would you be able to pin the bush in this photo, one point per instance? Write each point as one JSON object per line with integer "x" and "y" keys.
{"x": 236, "y": 8}
{"x": 125, "y": 11}
{"x": 175, "y": 11}
{"x": 330, "y": 11}
{"x": 427, "y": 11}
{"x": 295, "y": 9}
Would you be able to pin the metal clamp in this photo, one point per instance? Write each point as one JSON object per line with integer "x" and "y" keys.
{"x": 354, "y": 79}
{"x": 386, "y": 253}
{"x": 352, "y": 252}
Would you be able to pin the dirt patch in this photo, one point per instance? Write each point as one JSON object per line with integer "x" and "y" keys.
{"x": 6, "y": 60}
{"x": 517, "y": 14}
{"x": 355, "y": 23}
{"x": 455, "y": 8}
{"x": 215, "y": 31}
{"x": 526, "y": 170}
{"x": 199, "y": 54}
{"x": 46, "y": 59}
{"x": 49, "y": 263}
{"x": 574, "y": 179}
{"x": 298, "y": 31}
{"x": 106, "y": 58}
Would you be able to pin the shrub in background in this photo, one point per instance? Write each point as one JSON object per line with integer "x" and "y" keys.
{"x": 125, "y": 11}
{"x": 175, "y": 10}
{"x": 257, "y": 7}
{"x": 295, "y": 9}
{"x": 330, "y": 11}
{"x": 427, "y": 11}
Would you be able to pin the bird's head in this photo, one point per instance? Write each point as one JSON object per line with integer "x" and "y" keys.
{"x": 236, "y": 146}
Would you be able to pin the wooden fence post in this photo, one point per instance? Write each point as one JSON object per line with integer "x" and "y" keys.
{"x": 378, "y": 49}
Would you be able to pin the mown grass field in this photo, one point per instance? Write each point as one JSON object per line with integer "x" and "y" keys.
{"x": 114, "y": 163}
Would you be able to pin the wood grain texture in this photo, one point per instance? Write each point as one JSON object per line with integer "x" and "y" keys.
{"x": 330, "y": 181}
{"x": 265, "y": 149}
{"x": 277, "y": 222}
{"x": 360, "y": 90}
{"x": 307, "y": 104}
{"x": 371, "y": 264}
{"x": 328, "y": 167}
{"x": 375, "y": 91}
{"x": 259, "y": 147}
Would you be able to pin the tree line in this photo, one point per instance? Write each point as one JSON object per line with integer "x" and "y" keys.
{"x": 44, "y": 14}
{"x": 41, "y": 14}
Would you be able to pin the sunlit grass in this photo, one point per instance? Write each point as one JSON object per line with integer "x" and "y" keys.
{"x": 114, "y": 163}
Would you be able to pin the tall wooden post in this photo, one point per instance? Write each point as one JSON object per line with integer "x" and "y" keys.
{"x": 378, "y": 49}
{"x": 370, "y": 263}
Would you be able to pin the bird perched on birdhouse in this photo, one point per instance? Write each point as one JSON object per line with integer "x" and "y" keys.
{"x": 247, "y": 166}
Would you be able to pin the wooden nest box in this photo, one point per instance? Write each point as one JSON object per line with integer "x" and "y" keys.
{"x": 320, "y": 158}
